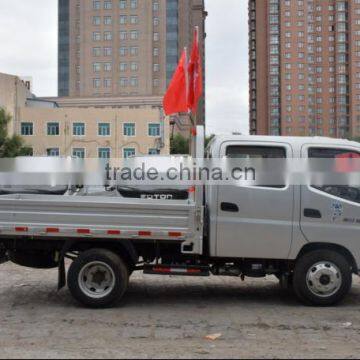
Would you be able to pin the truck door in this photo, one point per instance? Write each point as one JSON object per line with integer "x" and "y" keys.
{"x": 331, "y": 213}
{"x": 255, "y": 221}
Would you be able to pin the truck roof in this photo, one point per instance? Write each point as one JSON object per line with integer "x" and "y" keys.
{"x": 296, "y": 141}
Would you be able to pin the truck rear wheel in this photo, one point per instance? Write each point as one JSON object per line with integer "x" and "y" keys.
{"x": 322, "y": 278}
{"x": 98, "y": 278}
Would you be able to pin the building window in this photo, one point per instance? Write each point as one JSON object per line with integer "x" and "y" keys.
{"x": 156, "y": 67}
{"x": 123, "y": 66}
{"x": 156, "y": 51}
{"x": 129, "y": 129}
{"x": 134, "y": 19}
{"x": 133, "y": 4}
{"x": 123, "y": 35}
{"x": 154, "y": 152}
{"x": 156, "y": 36}
{"x": 78, "y": 129}
{"x": 104, "y": 129}
{"x": 107, "y": 5}
{"x": 53, "y": 152}
{"x": 53, "y": 129}
{"x": 123, "y": 51}
{"x": 79, "y": 153}
{"x": 134, "y": 35}
{"x": 96, "y": 20}
{"x": 134, "y": 51}
{"x": 107, "y": 51}
{"x": 107, "y": 35}
{"x": 123, "y": 19}
{"x": 123, "y": 82}
{"x": 96, "y": 5}
{"x": 122, "y": 4}
{"x": 96, "y": 36}
{"x": 104, "y": 153}
{"x": 129, "y": 152}
{"x": 27, "y": 129}
{"x": 134, "y": 81}
{"x": 107, "y": 83}
{"x": 96, "y": 83}
{"x": 107, "y": 67}
{"x": 134, "y": 66}
{"x": 154, "y": 130}
{"x": 156, "y": 6}
{"x": 107, "y": 20}
{"x": 156, "y": 21}
{"x": 96, "y": 67}
{"x": 97, "y": 51}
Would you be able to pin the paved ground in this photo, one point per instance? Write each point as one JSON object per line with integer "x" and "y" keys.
{"x": 169, "y": 318}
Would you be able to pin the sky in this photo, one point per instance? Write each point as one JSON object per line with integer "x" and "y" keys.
{"x": 28, "y": 38}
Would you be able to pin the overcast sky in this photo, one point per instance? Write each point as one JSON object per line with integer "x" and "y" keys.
{"x": 28, "y": 39}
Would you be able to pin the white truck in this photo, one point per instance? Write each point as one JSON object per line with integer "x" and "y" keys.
{"x": 309, "y": 237}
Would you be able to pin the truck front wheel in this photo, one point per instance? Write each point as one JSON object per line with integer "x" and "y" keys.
{"x": 322, "y": 278}
{"x": 98, "y": 278}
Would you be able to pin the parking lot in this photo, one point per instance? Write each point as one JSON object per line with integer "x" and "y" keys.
{"x": 166, "y": 317}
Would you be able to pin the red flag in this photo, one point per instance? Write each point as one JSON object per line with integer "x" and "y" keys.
{"x": 195, "y": 75}
{"x": 175, "y": 99}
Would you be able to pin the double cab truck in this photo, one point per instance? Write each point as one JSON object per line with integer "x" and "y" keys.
{"x": 307, "y": 236}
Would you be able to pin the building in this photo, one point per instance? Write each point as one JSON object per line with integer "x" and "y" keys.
{"x": 124, "y": 48}
{"x": 14, "y": 93}
{"x": 81, "y": 129}
{"x": 305, "y": 67}
{"x": 94, "y": 133}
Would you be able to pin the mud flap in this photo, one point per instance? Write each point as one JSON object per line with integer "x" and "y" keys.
{"x": 62, "y": 273}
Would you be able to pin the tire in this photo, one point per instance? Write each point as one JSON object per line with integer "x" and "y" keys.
{"x": 109, "y": 272}
{"x": 322, "y": 278}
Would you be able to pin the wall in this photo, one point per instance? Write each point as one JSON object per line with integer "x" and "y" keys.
{"x": 13, "y": 95}
{"x": 40, "y": 141}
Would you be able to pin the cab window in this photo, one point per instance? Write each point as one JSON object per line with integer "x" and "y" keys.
{"x": 258, "y": 152}
{"x": 346, "y": 192}
{"x": 255, "y": 152}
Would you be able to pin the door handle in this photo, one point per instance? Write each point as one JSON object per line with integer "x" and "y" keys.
{"x": 312, "y": 213}
{"x": 229, "y": 207}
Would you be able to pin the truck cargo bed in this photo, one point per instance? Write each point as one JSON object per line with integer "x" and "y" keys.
{"x": 98, "y": 217}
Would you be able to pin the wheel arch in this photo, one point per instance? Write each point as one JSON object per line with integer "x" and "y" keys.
{"x": 329, "y": 246}
{"x": 124, "y": 248}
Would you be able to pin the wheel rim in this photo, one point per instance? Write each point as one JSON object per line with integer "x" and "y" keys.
{"x": 96, "y": 280}
{"x": 324, "y": 279}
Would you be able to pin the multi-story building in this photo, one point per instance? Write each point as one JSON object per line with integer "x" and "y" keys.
{"x": 124, "y": 48}
{"x": 94, "y": 133}
{"x": 112, "y": 127}
{"x": 305, "y": 67}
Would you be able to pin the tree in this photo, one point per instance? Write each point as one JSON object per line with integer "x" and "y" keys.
{"x": 179, "y": 145}
{"x": 10, "y": 146}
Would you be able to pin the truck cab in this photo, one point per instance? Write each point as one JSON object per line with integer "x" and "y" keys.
{"x": 276, "y": 222}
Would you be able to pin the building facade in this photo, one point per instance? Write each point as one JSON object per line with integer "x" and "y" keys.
{"x": 124, "y": 48}
{"x": 304, "y": 67}
{"x": 111, "y": 127}
{"x": 94, "y": 133}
